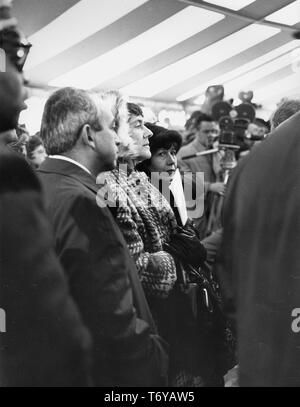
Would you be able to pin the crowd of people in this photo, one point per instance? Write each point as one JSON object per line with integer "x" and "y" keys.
{"x": 106, "y": 280}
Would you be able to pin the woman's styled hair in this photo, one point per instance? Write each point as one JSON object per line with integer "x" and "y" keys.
{"x": 134, "y": 109}
{"x": 161, "y": 138}
{"x": 118, "y": 106}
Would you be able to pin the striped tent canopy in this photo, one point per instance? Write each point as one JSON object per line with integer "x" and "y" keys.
{"x": 165, "y": 50}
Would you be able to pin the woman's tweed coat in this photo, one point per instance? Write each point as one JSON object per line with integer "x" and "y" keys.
{"x": 147, "y": 223}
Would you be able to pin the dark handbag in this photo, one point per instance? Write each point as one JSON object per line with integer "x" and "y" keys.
{"x": 195, "y": 291}
{"x": 195, "y": 319}
{"x": 196, "y": 296}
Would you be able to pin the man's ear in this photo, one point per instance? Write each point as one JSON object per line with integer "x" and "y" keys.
{"x": 87, "y": 136}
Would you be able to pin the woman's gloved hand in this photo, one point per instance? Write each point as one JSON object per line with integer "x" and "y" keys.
{"x": 186, "y": 247}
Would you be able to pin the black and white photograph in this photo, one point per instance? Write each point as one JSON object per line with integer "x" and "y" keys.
{"x": 150, "y": 196}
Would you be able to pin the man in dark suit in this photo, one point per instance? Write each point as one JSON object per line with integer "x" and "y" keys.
{"x": 79, "y": 136}
{"x": 259, "y": 267}
{"x": 43, "y": 341}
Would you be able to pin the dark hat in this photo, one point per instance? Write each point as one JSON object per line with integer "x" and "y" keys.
{"x": 163, "y": 138}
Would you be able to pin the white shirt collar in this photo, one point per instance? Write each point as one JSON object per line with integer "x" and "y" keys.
{"x": 62, "y": 157}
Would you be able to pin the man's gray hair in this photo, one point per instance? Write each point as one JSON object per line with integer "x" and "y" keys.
{"x": 286, "y": 109}
{"x": 66, "y": 111}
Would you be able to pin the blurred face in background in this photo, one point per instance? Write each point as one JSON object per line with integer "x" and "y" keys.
{"x": 38, "y": 155}
{"x": 257, "y": 131}
{"x": 208, "y": 133}
{"x": 164, "y": 162}
{"x": 139, "y": 135}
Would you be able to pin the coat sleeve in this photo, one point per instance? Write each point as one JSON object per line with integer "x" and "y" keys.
{"x": 45, "y": 343}
{"x": 157, "y": 270}
{"x": 94, "y": 254}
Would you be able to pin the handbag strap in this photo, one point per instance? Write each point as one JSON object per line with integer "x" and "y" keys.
{"x": 181, "y": 273}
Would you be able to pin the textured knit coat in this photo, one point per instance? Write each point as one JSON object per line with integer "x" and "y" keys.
{"x": 147, "y": 223}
